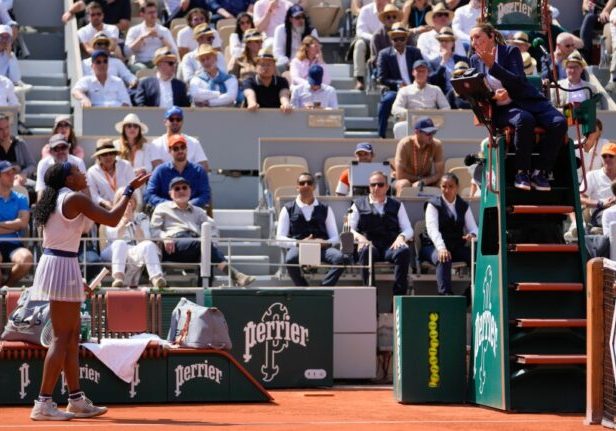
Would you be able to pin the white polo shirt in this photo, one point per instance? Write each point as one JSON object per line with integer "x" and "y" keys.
{"x": 112, "y": 93}
{"x": 145, "y": 53}
{"x": 87, "y": 32}
{"x": 116, "y": 68}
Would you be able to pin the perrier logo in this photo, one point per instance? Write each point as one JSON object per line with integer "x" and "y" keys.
{"x": 275, "y": 331}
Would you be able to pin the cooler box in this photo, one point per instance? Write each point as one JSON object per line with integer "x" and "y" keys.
{"x": 429, "y": 349}
{"x": 282, "y": 336}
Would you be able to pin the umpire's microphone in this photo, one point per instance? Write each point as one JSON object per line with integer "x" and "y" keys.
{"x": 539, "y": 43}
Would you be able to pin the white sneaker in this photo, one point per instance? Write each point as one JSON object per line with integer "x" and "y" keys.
{"x": 83, "y": 408}
{"x": 48, "y": 411}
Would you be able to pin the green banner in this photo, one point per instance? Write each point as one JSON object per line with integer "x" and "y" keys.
{"x": 515, "y": 14}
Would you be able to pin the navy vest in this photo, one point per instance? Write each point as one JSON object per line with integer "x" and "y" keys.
{"x": 383, "y": 229}
{"x": 299, "y": 228}
{"x": 451, "y": 229}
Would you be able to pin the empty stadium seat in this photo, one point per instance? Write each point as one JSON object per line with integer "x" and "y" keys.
{"x": 332, "y": 175}
{"x": 225, "y": 22}
{"x": 283, "y": 160}
{"x": 453, "y": 162}
{"x": 178, "y": 22}
{"x": 336, "y": 160}
{"x": 225, "y": 32}
{"x": 325, "y": 16}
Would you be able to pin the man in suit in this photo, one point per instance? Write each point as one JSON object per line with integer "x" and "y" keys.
{"x": 394, "y": 66}
{"x": 163, "y": 89}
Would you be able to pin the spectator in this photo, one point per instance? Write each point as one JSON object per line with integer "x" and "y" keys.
{"x": 182, "y": 8}
{"x": 186, "y": 39}
{"x": 420, "y": 94}
{"x": 178, "y": 222}
{"x": 368, "y": 24}
{"x": 129, "y": 248}
{"x": 100, "y": 89}
{"x": 212, "y": 87}
{"x": 306, "y": 219}
{"x": 383, "y": 221}
{"x": 190, "y": 64}
{"x": 592, "y": 145}
{"x": 63, "y": 125}
{"x": 14, "y": 150}
{"x": 158, "y": 187}
{"x": 574, "y": 68}
{"x": 289, "y": 36}
{"x": 14, "y": 217}
{"x": 595, "y": 12}
{"x": 388, "y": 17}
{"x": 174, "y": 119}
{"x": 520, "y": 39}
{"x": 163, "y": 89}
{"x": 566, "y": 43}
{"x": 455, "y": 101}
{"x": 520, "y": 105}
{"x": 447, "y": 218}
{"x": 10, "y": 69}
{"x": 308, "y": 54}
{"x": 314, "y": 94}
{"x": 269, "y": 14}
{"x": 464, "y": 20}
{"x": 245, "y": 66}
{"x": 609, "y": 215}
{"x": 394, "y": 64}
{"x": 117, "y": 68}
{"x": 7, "y": 92}
{"x": 364, "y": 153}
{"x": 419, "y": 157}
{"x": 228, "y": 8}
{"x": 414, "y": 16}
{"x": 108, "y": 174}
{"x": 529, "y": 63}
{"x": 598, "y": 195}
{"x": 428, "y": 43}
{"x": 144, "y": 39}
{"x": 87, "y": 33}
{"x": 266, "y": 90}
{"x": 444, "y": 64}
{"x": 117, "y": 12}
{"x": 133, "y": 146}
{"x": 237, "y": 41}
{"x": 59, "y": 153}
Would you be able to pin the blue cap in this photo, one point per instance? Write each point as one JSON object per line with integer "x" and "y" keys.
{"x": 315, "y": 75}
{"x": 99, "y": 53}
{"x": 6, "y": 166}
{"x": 425, "y": 125}
{"x": 178, "y": 180}
{"x": 364, "y": 146}
{"x": 174, "y": 110}
{"x": 296, "y": 10}
{"x": 420, "y": 63}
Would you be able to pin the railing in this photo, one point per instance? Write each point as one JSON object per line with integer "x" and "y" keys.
{"x": 73, "y": 52}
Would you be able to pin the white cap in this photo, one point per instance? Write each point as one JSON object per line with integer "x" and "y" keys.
{"x": 5, "y": 29}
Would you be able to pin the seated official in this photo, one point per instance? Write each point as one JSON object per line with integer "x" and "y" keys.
{"x": 306, "y": 219}
{"x": 266, "y": 90}
{"x": 14, "y": 217}
{"x": 448, "y": 217}
{"x": 419, "y": 157}
{"x": 212, "y": 87}
{"x": 383, "y": 221}
{"x": 108, "y": 173}
{"x": 178, "y": 222}
{"x": 314, "y": 94}
{"x": 101, "y": 88}
{"x": 157, "y": 190}
{"x": 163, "y": 89}
{"x": 364, "y": 153}
{"x": 520, "y": 105}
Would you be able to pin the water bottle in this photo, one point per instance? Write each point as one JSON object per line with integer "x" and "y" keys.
{"x": 86, "y": 324}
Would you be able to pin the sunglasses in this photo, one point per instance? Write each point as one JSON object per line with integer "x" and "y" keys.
{"x": 177, "y": 148}
{"x": 180, "y": 188}
{"x": 362, "y": 153}
{"x": 101, "y": 62}
{"x": 132, "y": 126}
{"x": 305, "y": 183}
{"x": 399, "y": 39}
{"x": 390, "y": 17}
{"x": 170, "y": 63}
{"x": 60, "y": 148}
{"x": 607, "y": 156}
{"x": 436, "y": 15}
{"x": 175, "y": 119}
{"x": 63, "y": 124}
{"x": 377, "y": 184}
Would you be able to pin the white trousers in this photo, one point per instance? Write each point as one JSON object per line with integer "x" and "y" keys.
{"x": 143, "y": 253}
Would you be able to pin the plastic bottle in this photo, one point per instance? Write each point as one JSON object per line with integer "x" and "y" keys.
{"x": 86, "y": 324}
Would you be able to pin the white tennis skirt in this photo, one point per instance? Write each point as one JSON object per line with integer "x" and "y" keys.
{"x": 58, "y": 278}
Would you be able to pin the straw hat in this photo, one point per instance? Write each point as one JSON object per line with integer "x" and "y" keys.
{"x": 459, "y": 68}
{"x": 163, "y": 53}
{"x": 389, "y": 10}
{"x": 265, "y": 54}
{"x": 131, "y": 119}
{"x": 438, "y": 8}
{"x": 446, "y": 34}
{"x": 101, "y": 37}
{"x": 519, "y": 38}
{"x": 253, "y": 35}
{"x": 104, "y": 146}
{"x": 529, "y": 63}
{"x": 202, "y": 29}
{"x": 575, "y": 57}
{"x": 205, "y": 49}
{"x": 398, "y": 29}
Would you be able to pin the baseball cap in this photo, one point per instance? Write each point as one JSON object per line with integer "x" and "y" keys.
{"x": 420, "y": 63}
{"x": 296, "y": 10}
{"x": 364, "y": 146}
{"x": 177, "y": 180}
{"x": 58, "y": 139}
{"x": 315, "y": 75}
{"x": 6, "y": 166}
{"x": 63, "y": 118}
{"x": 5, "y": 29}
{"x": 174, "y": 110}
{"x": 425, "y": 125}
{"x": 176, "y": 139}
{"x": 99, "y": 53}
{"x": 609, "y": 149}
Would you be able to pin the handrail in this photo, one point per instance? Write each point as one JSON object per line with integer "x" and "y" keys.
{"x": 73, "y": 51}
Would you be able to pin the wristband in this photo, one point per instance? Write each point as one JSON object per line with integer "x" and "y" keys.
{"x": 128, "y": 191}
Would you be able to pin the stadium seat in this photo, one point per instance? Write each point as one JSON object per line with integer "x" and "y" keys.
{"x": 281, "y": 194}
{"x": 414, "y": 192}
{"x": 401, "y": 130}
{"x": 178, "y": 22}
{"x": 224, "y": 23}
{"x": 325, "y": 16}
{"x": 453, "y": 162}
{"x": 281, "y": 175}
{"x": 225, "y": 32}
{"x": 464, "y": 176}
{"x": 332, "y": 175}
{"x": 283, "y": 160}
{"x": 144, "y": 73}
{"x": 337, "y": 160}
{"x": 175, "y": 30}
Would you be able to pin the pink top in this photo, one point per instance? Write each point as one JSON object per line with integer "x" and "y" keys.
{"x": 299, "y": 71}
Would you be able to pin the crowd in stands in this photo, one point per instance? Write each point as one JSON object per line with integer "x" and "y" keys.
{"x": 273, "y": 58}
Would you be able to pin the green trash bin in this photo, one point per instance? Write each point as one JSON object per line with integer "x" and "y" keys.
{"x": 283, "y": 337}
{"x": 429, "y": 349}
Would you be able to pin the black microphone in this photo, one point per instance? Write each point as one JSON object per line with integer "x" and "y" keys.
{"x": 538, "y": 43}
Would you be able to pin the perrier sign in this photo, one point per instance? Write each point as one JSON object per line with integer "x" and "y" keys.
{"x": 515, "y": 14}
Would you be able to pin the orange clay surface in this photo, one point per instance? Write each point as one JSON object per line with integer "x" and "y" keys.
{"x": 362, "y": 409}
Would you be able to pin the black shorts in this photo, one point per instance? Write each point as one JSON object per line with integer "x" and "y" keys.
{"x": 7, "y": 249}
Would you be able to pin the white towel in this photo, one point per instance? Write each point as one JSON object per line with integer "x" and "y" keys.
{"x": 120, "y": 355}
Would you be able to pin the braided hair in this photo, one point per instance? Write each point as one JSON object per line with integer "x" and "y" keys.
{"x": 55, "y": 179}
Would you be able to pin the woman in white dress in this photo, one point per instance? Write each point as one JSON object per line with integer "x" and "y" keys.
{"x": 64, "y": 214}
{"x": 134, "y": 147}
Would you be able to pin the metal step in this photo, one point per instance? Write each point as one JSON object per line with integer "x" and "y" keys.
{"x": 340, "y": 70}
{"x": 48, "y": 107}
{"x": 42, "y": 68}
{"x": 361, "y": 134}
{"x": 52, "y": 79}
{"x": 48, "y": 92}
{"x": 234, "y": 217}
{"x": 343, "y": 83}
{"x": 252, "y": 265}
{"x": 361, "y": 123}
{"x": 358, "y": 110}
{"x": 40, "y": 120}
{"x": 41, "y": 130}
{"x": 355, "y": 97}
{"x": 239, "y": 231}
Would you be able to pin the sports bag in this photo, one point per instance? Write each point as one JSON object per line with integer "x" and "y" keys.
{"x": 29, "y": 322}
{"x": 198, "y": 327}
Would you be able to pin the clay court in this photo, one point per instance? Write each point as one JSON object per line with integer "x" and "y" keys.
{"x": 357, "y": 409}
